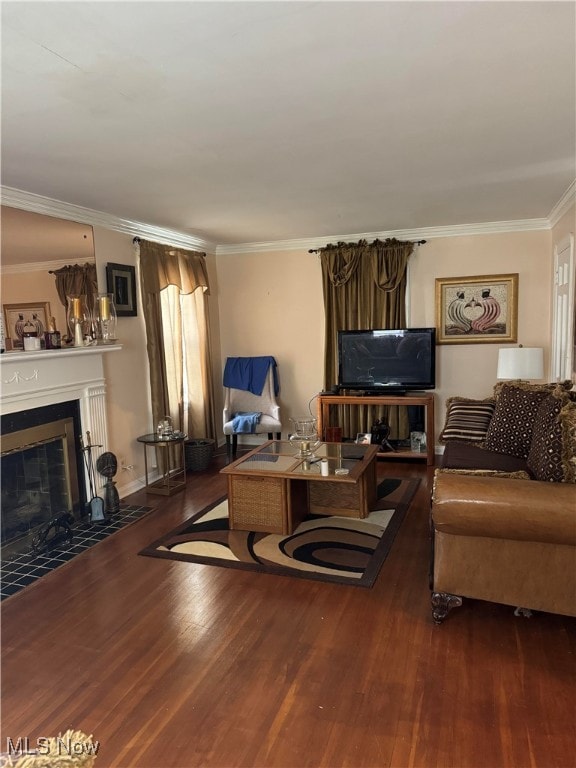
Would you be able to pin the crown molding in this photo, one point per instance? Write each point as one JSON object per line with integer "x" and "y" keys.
{"x": 36, "y": 266}
{"x": 17, "y": 198}
{"x": 422, "y": 233}
{"x": 563, "y": 205}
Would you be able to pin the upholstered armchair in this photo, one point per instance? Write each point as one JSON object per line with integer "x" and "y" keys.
{"x": 246, "y": 402}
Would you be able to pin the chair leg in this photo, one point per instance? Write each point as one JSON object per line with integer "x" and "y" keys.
{"x": 234, "y": 445}
{"x": 278, "y": 435}
{"x": 228, "y": 447}
{"x": 270, "y": 435}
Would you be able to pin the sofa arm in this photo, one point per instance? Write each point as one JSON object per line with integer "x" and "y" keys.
{"x": 504, "y": 508}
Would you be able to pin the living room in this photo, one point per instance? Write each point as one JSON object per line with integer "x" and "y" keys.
{"x": 266, "y": 299}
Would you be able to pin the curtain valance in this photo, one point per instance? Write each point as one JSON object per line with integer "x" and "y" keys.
{"x": 388, "y": 260}
{"x": 163, "y": 265}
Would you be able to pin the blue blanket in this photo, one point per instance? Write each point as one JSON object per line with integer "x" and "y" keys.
{"x": 249, "y": 373}
{"x": 244, "y": 422}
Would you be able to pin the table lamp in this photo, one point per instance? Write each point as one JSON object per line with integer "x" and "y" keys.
{"x": 521, "y": 363}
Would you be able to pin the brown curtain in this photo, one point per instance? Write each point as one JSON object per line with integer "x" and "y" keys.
{"x": 364, "y": 286}
{"x": 76, "y": 280}
{"x": 175, "y": 289}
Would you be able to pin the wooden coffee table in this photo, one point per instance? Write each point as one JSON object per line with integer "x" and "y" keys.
{"x": 271, "y": 489}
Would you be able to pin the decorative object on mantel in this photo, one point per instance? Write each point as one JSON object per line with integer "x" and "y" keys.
{"x": 479, "y": 309}
{"x": 106, "y": 318}
{"x": 52, "y": 337}
{"x": 121, "y": 283}
{"x": 76, "y": 318}
{"x": 30, "y": 337}
{"x": 35, "y": 313}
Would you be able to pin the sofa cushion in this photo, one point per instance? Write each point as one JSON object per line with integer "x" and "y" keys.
{"x": 467, "y": 420}
{"x": 511, "y": 427}
{"x": 494, "y": 507}
{"x": 461, "y": 455}
{"x": 545, "y": 458}
{"x": 519, "y": 475}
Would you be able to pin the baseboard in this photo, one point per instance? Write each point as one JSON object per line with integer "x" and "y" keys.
{"x": 138, "y": 484}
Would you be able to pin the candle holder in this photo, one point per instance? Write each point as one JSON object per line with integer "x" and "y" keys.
{"x": 76, "y": 318}
{"x": 106, "y": 318}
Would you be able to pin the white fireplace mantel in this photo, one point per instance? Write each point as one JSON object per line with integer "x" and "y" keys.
{"x": 36, "y": 379}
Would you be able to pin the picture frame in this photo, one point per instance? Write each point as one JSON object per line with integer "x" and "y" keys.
{"x": 17, "y": 315}
{"x": 477, "y": 309}
{"x": 121, "y": 283}
{"x": 363, "y": 438}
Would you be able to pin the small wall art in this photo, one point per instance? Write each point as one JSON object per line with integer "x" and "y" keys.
{"x": 121, "y": 282}
{"x": 479, "y": 309}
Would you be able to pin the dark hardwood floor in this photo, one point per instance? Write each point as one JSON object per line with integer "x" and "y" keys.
{"x": 173, "y": 665}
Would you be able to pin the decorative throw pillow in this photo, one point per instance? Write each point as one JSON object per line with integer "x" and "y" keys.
{"x": 568, "y": 423}
{"x": 545, "y": 456}
{"x": 467, "y": 420}
{"x": 510, "y": 429}
{"x": 527, "y": 385}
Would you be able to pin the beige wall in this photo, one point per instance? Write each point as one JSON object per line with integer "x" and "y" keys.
{"x": 271, "y": 303}
{"x": 470, "y": 369}
{"x": 34, "y": 286}
{"x": 127, "y": 379}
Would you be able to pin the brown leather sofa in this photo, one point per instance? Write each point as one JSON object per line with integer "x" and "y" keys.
{"x": 498, "y": 533}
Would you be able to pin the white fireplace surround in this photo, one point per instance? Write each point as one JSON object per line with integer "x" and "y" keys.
{"x": 35, "y": 379}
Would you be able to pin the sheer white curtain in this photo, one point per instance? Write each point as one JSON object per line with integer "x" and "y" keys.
{"x": 184, "y": 329}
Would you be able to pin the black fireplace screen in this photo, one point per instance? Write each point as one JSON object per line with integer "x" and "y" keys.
{"x": 39, "y": 481}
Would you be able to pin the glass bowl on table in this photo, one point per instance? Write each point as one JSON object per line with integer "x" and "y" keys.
{"x": 304, "y": 438}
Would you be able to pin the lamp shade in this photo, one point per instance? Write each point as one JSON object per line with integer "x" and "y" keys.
{"x": 521, "y": 363}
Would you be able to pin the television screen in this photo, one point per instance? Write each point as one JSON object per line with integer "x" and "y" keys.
{"x": 387, "y": 360}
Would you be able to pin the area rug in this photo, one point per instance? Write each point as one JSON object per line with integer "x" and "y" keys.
{"x": 337, "y": 549}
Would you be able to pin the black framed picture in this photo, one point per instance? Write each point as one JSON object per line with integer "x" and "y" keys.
{"x": 121, "y": 281}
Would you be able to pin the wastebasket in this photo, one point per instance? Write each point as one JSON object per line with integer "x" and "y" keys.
{"x": 198, "y": 453}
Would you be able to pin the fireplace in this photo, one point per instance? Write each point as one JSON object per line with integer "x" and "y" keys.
{"x": 41, "y": 471}
{"x": 49, "y": 399}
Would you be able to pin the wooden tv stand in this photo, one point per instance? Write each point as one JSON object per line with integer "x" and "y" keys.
{"x": 425, "y": 399}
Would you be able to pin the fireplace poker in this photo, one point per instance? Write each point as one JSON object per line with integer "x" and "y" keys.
{"x": 96, "y": 503}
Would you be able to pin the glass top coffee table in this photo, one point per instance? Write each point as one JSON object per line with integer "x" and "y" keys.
{"x": 273, "y": 489}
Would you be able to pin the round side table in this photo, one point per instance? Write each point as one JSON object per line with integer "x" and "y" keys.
{"x": 171, "y": 462}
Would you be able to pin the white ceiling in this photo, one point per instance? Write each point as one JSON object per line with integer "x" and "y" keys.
{"x": 243, "y": 122}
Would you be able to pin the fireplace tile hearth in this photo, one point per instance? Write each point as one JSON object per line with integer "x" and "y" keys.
{"x": 25, "y": 569}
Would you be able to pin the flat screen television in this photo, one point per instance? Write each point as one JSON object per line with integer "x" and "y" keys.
{"x": 393, "y": 361}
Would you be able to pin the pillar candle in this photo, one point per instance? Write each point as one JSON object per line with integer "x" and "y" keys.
{"x": 104, "y": 308}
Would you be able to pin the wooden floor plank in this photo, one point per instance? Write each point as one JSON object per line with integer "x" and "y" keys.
{"x": 175, "y": 665}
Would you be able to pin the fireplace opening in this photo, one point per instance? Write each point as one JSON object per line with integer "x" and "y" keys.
{"x": 41, "y": 473}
